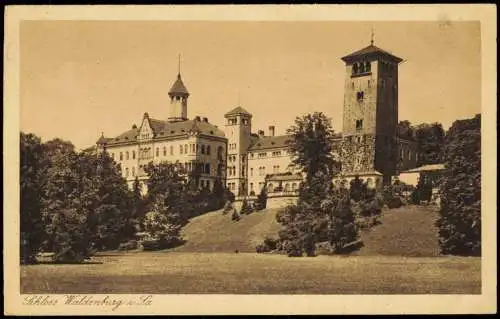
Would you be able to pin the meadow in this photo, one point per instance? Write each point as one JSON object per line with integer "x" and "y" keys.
{"x": 251, "y": 273}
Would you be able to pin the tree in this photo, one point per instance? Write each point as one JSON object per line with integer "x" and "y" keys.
{"x": 460, "y": 214}
{"x": 307, "y": 223}
{"x": 312, "y": 144}
{"x": 261, "y": 202}
{"x": 358, "y": 189}
{"x": 406, "y": 130}
{"x": 341, "y": 220}
{"x": 245, "y": 207}
{"x": 138, "y": 205}
{"x": 31, "y": 170}
{"x": 430, "y": 143}
{"x": 68, "y": 198}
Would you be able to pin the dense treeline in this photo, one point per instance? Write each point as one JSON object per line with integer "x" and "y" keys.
{"x": 460, "y": 215}
{"x": 75, "y": 203}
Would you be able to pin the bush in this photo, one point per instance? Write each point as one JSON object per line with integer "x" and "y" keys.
{"x": 153, "y": 244}
{"x": 228, "y": 208}
{"x": 130, "y": 245}
{"x": 245, "y": 207}
{"x": 235, "y": 216}
{"x": 269, "y": 244}
{"x": 395, "y": 202}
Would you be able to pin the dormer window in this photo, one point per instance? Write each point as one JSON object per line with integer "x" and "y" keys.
{"x": 177, "y": 98}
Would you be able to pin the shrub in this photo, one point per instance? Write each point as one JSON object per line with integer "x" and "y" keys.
{"x": 269, "y": 244}
{"x": 235, "y": 216}
{"x": 245, "y": 207}
{"x": 228, "y": 208}
{"x": 130, "y": 245}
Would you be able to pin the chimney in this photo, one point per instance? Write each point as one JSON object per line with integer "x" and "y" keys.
{"x": 261, "y": 133}
{"x": 197, "y": 119}
{"x": 205, "y": 120}
{"x": 271, "y": 130}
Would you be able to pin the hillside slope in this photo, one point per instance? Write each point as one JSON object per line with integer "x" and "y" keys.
{"x": 406, "y": 231}
{"x": 215, "y": 232}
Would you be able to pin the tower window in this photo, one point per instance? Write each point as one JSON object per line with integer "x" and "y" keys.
{"x": 171, "y": 150}
{"x": 178, "y": 98}
{"x": 355, "y": 69}
{"x": 359, "y": 96}
{"x": 368, "y": 67}
{"x": 361, "y": 68}
{"x": 157, "y": 151}
{"x": 133, "y": 154}
{"x": 359, "y": 124}
{"x": 202, "y": 149}
{"x": 208, "y": 149}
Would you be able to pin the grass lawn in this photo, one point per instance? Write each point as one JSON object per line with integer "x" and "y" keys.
{"x": 250, "y": 273}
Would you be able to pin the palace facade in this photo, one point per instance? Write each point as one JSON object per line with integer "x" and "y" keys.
{"x": 369, "y": 145}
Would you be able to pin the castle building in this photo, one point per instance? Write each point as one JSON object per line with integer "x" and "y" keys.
{"x": 368, "y": 147}
{"x": 195, "y": 144}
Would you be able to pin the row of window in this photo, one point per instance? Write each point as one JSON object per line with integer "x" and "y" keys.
{"x": 287, "y": 187}
{"x": 204, "y": 168}
{"x": 145, "y": 153}
{"x": 273, "y": 154}
{"x": 234, "y": 121}
{"x": 232, "y": 146}
{"x": 361, "y": 67}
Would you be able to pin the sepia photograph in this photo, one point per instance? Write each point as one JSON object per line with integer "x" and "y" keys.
{"x": 248, "y": 157}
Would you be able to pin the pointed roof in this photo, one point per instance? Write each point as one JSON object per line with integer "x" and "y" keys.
{"x": 370, "y": 51}
{"x": 178, "y": 88}
{"x": 236, "y": 111}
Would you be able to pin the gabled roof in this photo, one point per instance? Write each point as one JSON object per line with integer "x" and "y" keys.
{"x": 236, "y": 111}
{"x": 426, "y": 168}
{"x": 178, "y": 87}
{"x": 269, "y": 142}
{"x": 165, "y": 129}
{"x": 370, "y": 50}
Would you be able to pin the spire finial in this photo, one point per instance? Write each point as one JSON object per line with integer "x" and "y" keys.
{"x": 179, "y": 66}
{"x": 373, "y": 35}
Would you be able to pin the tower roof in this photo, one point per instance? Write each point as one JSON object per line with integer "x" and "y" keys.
{"x": 178, "y": 88}
{"x": 238, "y": 110}
{"x": 370, "y": 51}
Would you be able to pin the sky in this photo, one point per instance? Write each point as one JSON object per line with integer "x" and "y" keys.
{"x": 81, "y": 78}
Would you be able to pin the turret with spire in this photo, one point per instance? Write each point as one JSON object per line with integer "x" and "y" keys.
{"x": 178, "y": 98}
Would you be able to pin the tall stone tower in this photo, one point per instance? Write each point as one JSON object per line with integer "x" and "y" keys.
{"x": 370, "y": 113}
{"x": 238, "y": 129}
{"x": 178, "y": 101}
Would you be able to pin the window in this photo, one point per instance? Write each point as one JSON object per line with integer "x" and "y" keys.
{"x": 287, "y": 187}
{"x": 202, "y": 149}
{"x": 368, "y": 67}
{"x": 126, "y": 155}
{"x": 359, "y": 96}
{"x": 359, "y": 124}
{"x": 181, "y": 149}
{"x": 126, "y": 172}
{"x": 133, "y": 154}
{"x": 133, "y": 171}
{"x": 276, "y": 169}
{"x": 355, "y": 69}
{"x": 251, "y": 187}
{"x": 208, "y": 149}
{"x": 186, "y": 149}
{"x": 121, "y": 156}
{"x": 164, "y": 151}
{"x": 251, "y": 171}
{"x": 207, "y": 168}
{"x": 243, "y": 170}
{"x": 261, "y": 155}
{"x": 277, "y": 153}
{"x": 157, "y": 151}
{"x": 171, "y": 150}
{"x": 113, "y": 155}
